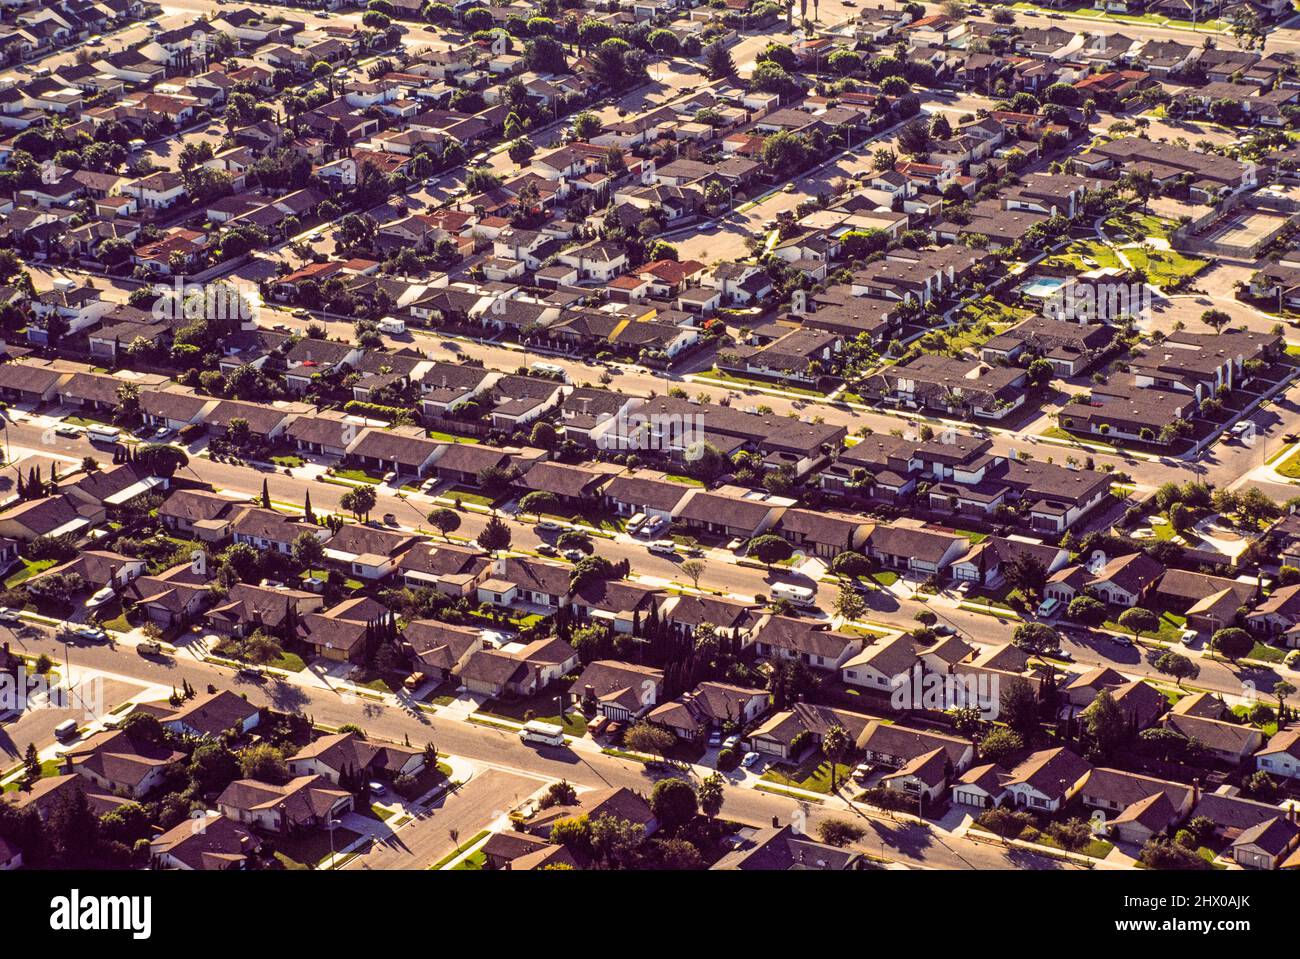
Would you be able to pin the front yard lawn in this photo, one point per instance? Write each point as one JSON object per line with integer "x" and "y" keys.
{"x": 466, "y": 495}
{"x": 307, "y": 849}
{"x": 355, "y": 475}
{"x": 813, "y": 774}
{"x": 475, "y": 860}
{"x": 544, "y": 708}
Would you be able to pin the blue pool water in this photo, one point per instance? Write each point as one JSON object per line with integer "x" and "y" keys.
{"x": 1042, "y": 286}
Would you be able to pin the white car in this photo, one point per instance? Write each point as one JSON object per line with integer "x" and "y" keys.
{"x": 8, "y": 615}
{"x": 377, "y": 788}
{"x": 750, "y": 759}
{"x": 549, "y": 526}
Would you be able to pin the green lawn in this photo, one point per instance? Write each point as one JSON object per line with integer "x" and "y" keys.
{"x": 730, "y": 379}
{"x": 1085, "y": 255}
{"x": 686, "y": 480}
{"x": 1266, "y": 653}
{"x": 1290, "y": 467}
{"x": 1168, "y": 632}
{"x": 813, "y": 774}
{"x": 1133, "y": 225}
{"x": 287, "y": 460}
{"x": 1164, "y": 267}
{"x": 465, "y": 844}
{"x": 544, "y": 708}
{"x": 50, "y": 767}
{"x": 450, "y": 437}
{"x": 885, "y": 577}
{"x": 355, "y": 475}
{"x": 306, "y": 850}
{"x": 27, "y": 570}
{"x": 466, "y": 495}
{"x": 475, "y": 860}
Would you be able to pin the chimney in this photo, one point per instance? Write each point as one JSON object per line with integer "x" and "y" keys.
{"x": 1196, "y": 791}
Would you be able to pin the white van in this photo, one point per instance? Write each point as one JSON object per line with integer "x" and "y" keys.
{"x": 542, "y": 734}
{"x": 664, "y": 547}
{"x": 65, "y": 730}
{"x": 103, "y": 434}
{"x": 1047, "y": 608}
{"x": 549, "y": 369}
{"x": 635, "y": 523}
{"x": 391, "y": 324}
{"x": 652, "y": 527}
{"x": 799, "y": 595}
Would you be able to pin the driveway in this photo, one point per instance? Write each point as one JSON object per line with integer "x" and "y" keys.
{"x": 491, "y": 794}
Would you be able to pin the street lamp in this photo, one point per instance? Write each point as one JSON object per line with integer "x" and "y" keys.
{"x": 330, "y": 826}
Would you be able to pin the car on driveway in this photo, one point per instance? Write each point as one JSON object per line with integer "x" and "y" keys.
{"x": 750, "y": 759}
{"x": 8, "y": 615}
{"x": 715, "y": 739}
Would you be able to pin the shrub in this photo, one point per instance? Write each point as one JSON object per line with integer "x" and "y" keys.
{"x": 728, "y": 760}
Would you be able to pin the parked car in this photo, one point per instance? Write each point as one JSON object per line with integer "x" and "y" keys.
{"x": 750, "y": 759}
{"x": 249, "y": 672}
{"x": 715, "y": 739}
{"x": 546, "y": 549}
{"x": 68, "y": 429}
{"x": 573, "y": 555}
{"x": 91, "y": 634}
{"x": 549, "y": 526}
{"x": 8, "y": 615}
{"x": 377, "y": 787}
{"x": 149, "y": 648}
{"x": 731, "y": 742}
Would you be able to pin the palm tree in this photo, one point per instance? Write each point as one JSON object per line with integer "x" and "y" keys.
{"x": 835, "y": 744}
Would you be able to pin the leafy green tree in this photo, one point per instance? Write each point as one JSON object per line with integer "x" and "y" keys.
{"x": 539, "y": 502}
{"x": 649, "y": 739}
{"x": 769, "y": 549}
{"x": 1232, "y": 642}
{"x": 1139, "y": 621}
{"x": 359, "y": 501}
{"x": 1178, "y": 666}
{"x": 495, "y": 535}
{"x": 999, "y": 743}
{"x": 1018, "y": 706}
{"x": 1087, "y": 610}
{"x": 711, "y": 795}
{"x": 1037, "y": 638}
{"x": 673, "y": 803}
{"x": 445, "y": 520}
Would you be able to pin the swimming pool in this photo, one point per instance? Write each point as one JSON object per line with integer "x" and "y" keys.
{"x": 1041, "y": 287}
